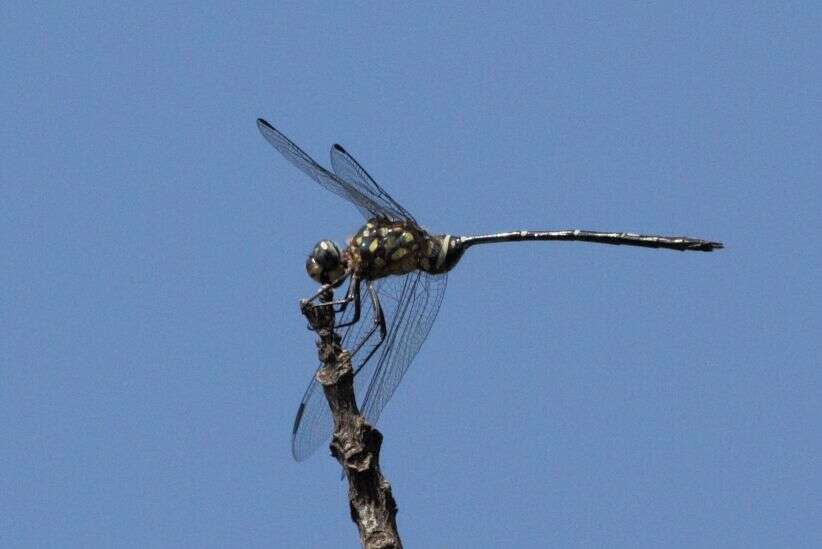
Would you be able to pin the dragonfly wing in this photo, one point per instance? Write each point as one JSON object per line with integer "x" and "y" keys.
{"x": 313, "y": 423}
{"x": 418, "y": 301}
{"x": 410, "y": 304}
{"x": 365, "y": 204}
{"x": 350, "y": 171}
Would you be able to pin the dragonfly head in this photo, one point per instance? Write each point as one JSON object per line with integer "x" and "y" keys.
{"x": 325, "y": 264}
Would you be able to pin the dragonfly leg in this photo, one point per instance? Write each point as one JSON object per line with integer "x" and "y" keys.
{"x": 324, "y": 288}
{"x": 353, "y": 295}
{"x": 343, "y": 303}
{"x": 306, "y": 303}
{"x": 379, "y": 322}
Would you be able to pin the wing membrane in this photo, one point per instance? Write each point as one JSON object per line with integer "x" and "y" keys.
{"x": 313, "y": 424}
{"x": 410, "y": 304}
{"x": 368, "y": 206}
{"x": 419, "y": 302}
{"x": 350, "y": 171}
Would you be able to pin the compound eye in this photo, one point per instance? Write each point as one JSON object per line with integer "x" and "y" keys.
{"x": 326, "y": 254}
{"x": 324, "y": 265}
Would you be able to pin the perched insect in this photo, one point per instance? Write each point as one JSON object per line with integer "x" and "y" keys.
{"x": 404, "y": 271}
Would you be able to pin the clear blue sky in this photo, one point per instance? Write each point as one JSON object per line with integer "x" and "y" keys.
{"x": 570, "y": 395}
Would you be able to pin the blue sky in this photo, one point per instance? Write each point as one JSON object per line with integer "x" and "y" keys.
{"x": 152, "y": 354}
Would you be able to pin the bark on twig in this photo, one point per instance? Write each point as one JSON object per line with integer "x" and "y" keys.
{"x": 355, "y": 444}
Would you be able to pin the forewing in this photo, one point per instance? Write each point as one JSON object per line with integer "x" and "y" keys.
{"x": 350, "y": 171}
{"x": 365, "y": 204}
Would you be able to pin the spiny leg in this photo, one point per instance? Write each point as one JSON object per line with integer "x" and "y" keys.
{"x": 343, "y": 303}
{"x": 305, "y": 303}
{"x": 353, "y": 295}
{"x": 379, "y": 322}
{"x": 325, "y": 287}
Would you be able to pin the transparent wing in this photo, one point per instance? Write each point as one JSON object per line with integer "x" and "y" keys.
{"x": 313, "y": 423}
{"x": 419, "y": 302}
{"x": 360, "y": 197}
{"x": 410, "y": 304}
{"x": 350, "y": 171}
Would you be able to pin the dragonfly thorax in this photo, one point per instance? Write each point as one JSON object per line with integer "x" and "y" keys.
{"x": 382, "y": 248}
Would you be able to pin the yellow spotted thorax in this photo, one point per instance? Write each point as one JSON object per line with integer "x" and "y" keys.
{"x": 382, "y": 248}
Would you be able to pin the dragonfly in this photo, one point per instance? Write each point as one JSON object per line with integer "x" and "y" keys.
{"x": 397, "y": 274}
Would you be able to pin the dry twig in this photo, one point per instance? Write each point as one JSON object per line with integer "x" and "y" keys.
{"x": 355, "y": 444}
